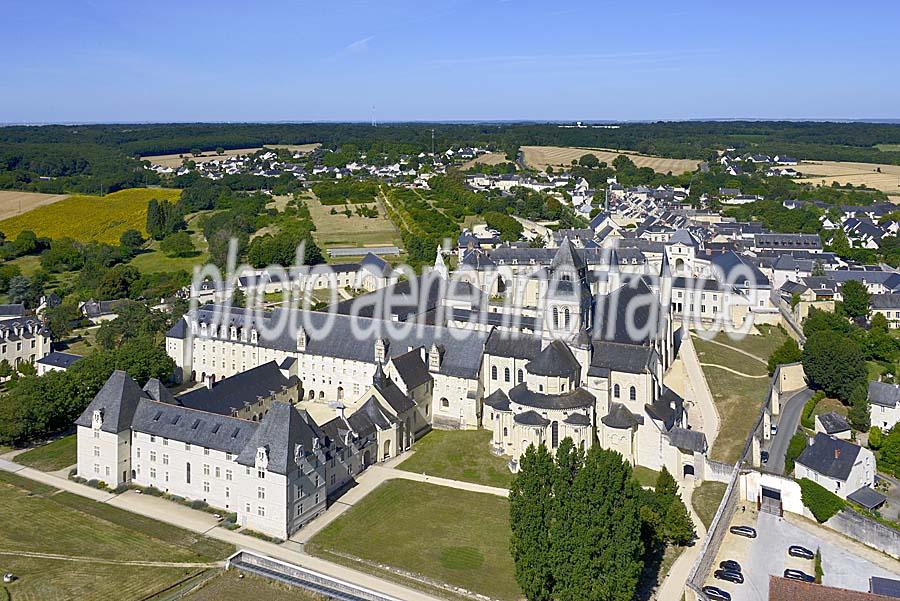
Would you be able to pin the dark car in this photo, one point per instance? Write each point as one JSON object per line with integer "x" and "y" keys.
{"x": 801, "y": 552}
{"x": 798, "y": 575}
{"x": 714, "y": 593}
{"x": 729, "y": 576}
{"x": 743, "y": 531}
{"x": 731, "y": 565}
{"x": 764, "y": 456}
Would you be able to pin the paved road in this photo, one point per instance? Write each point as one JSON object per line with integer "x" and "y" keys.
{"x": 787, "y": 426}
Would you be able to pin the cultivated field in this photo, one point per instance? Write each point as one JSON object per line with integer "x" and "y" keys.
{"x": 447, "y": 535}
{"x": 340, "y": 230}
{"x": 38, "y": 519}
{"x": 13, "y": 202}
{"x": 175, "y": 160}
{"x": 541, "y": 156}
{"x": 825, "y": 172}
{"x": 491, "y": 158}
{"x": 89, "y": 218}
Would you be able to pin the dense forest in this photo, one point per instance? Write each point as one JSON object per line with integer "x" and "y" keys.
{"x": 85, "y": 157}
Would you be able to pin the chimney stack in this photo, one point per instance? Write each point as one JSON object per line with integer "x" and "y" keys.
{"x": 837, "y": 453}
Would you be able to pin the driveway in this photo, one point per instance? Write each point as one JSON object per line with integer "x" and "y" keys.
{"x": 788, "y": 421}
{"x": 767, "y": 554}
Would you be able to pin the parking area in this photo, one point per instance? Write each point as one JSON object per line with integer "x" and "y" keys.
{"x": 767, "y": 554}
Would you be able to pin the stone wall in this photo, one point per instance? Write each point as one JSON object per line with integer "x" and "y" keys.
{"x": 867, "y": 531}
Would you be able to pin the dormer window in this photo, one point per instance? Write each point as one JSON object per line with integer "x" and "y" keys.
{"x": 97, "y": 419}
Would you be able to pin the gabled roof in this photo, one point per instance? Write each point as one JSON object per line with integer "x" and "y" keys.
{"x": 620, "y": 418}
{"x": 833, "y": 423}
{"x": 395, "y": 397}
{"x": 691, "y": 441}
{"x": 829, "y": 456}
{"x": 682, "y": 237}
{"x": 884, "y": 395}
{"x": 411, "y": 369}
{"x": 58, "y": 359}
{"x": 280, "y": 431}
{"x": 118, "y": 400}
{"x": 156, "y": 391}
{"x": 567, "y": 257}
{"x": 497, "y": 400}
{"x": 555, "y": 360}
{"x": 234, "y": 393}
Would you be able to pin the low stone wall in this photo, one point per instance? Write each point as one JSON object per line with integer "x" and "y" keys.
{"x": 867, "y": 531}
{"x": 718, "y": 471}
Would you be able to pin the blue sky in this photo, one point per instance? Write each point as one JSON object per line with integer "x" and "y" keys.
{"x": 449, "y": 60}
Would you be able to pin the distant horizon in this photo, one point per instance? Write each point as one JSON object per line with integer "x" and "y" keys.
{"x": 455, "y": 61}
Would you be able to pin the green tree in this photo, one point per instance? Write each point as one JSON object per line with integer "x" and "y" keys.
{"x": 530, "y": 515}
{"x": 856, "y": 299}
{"x": 820, "y": 501}
{"x": 889, "y": 456}
{"x": 26, "y": 368}
{"x": 220, "y": 151}
{"x": 789, "y": 352}
{"x": 834, "y": 363}
{"x": 61, "y": 318}
{"x": 858, "y": 415}
{"x": 178, "y": 244}
{"x": 6, "y": 369}
{"x": 131, "y": 240}
{"x": 589, "y": 160}
{"x": 876, "y": 438}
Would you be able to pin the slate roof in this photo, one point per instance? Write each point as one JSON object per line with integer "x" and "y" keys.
{"x": 730, "y": 263}
{"x": 461, "y": 359}
{"x": 58, "y": 359}
{"x": 683, "y": 237}
{"x": 867, "y": 498}
{"x": 612, "y": 356}
{"x": 497, "y": 400}
{"x": 411, "y": 369}
{"x": 220, "y": 432}
{"x": 234, "y": 393}
{"x": 375, "y": 264}
{"x": 787, "y": 241}
{"x": 620, "y": 417}
{"x": 501, "y": 343}
{"x": 830, "y": 456}
{"x": 884, "y": 301}
{"x": 612, "y": 316}
{"x": 885, "y": 586}
{"x": 391, "y": 392}
{"x": 12, "y": 310}
{"x": 118, "y": 399}
{"x": 555, "y": 360}
{"x": 370, "y": 417}
{"x": 691, "y": 441}
{"x": 531, "y": 418}
{"x": 885, "y": 395}
{"x": 156, "y": 391}
{"x": 280, "y": 431}
{"x": 573, "y": 399}
{"x": 578, "y": 419}
{"x": 833, "y": 423}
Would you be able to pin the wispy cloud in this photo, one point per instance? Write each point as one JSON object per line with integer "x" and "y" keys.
{"x": 360, "y": 45}
{"x": 654, "y": 57}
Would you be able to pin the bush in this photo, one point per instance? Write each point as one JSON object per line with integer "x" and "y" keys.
{"x": 795, "y": 447}
{"x": 823, "y": 503}
{"x": 819, "y": 571}
{"x": 876, "y": 438}
{"x": 806, "y": 419}
{"x": 788, "y": 352}
{"x": 153, "y": 491}
{"x": 198, "y": 504}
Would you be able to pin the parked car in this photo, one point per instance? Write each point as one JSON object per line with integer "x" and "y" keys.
{"x": 729, "y": 576}
{"x": 764, "y": 456}
{"x": 774, "y": 429}
{"x": 714, "y": 593}
{"x": 801, "y": 552}
{"x": 798, "y": 575}
{"x": 730, "y": 564}
{"x": 743, "y": 531}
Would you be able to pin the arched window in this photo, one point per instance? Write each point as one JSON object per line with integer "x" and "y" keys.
{"x": 321, "y": 394}
{"x": 506, "y": 374}
{"x": 445, "y": 402}
{"x": 505, "y": 432}
{"x": 566, "y": 316}
{"x": 312, "y": 394}
{"x": 617, "y": 392}
{"x": 632, "y": 393}
{"x": 493, "y": 372}
{"x": 340, "y": 393}
{"x": 555, "y": 317}
{"x": 520, "y": 376}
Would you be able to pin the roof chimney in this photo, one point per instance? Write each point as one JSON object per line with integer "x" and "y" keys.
{"x": 837, "y": 453}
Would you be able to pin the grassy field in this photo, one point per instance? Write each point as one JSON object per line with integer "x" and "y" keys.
{"x": 13, "y": 202}
{"x": 453, "y": 536}
{"x": 90, "y": 217}
{"x": 645, "y": 476}
{"x": 459, "y": 455}
{"x": 153, "y": 260}
{"x": 491, "y": 158}
{"x": 50, "y": 457}
{"x": 738, "y": 399}
{"x": 827, "y": 405}
{"x": 228, "y": 585}
{"x": 541, "y": 156}
{"x": 340, "y": 230}
{"x": 873, "y": 175}
{"x": 175, "y": 160}
{"x": 39, "y": 519}
{"x": 706, "y": 499}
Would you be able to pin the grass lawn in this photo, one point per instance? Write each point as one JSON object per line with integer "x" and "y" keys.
{"x": 453, "y": 536}
{"x": 227, "y": 585}
{"x": 340, "y": 230}
{"x": 738, "y": 399}
{"x": 459, "y": 455}
{"x": 40, "y": 519}
{"x": 706, "y": 499}
{"x": 645, "y": 476}
{"x": 153, "y": 260}
{"x": 827, "y": 405}
{"x": 52, "y": 456}
{"x": 82, "y": 342}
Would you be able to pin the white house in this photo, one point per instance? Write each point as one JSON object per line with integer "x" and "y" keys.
{"x": 884, "y": 401}
{"x": 837, "y": 465}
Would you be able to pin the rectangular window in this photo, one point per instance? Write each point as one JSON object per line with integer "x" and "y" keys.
{"x": 96, "y": 451}
{"x": 165, "y": 442}
{"x": 228, "y": 475}
{"x": 218, "y": 472}
{"x": 187, "y": 446}
{"x": 261, "y": 493}
{"x": 206, "y": 487}
{"x": 153, "y": 456}
{"x": 205, "y": 451}
{"x": 153, "y": 473}
{"x": 260, "y": 473}
{"x": 96, "y": 433}
{"x": 227, "y": 456}
{"x": 205, "y": 469}
{"x": 261, "y": 511}
{"x": 152, "y": 438}
{"x": 96, "y": 468}
{"x": 247, "y": 508}
{"x": 227, "y": 493}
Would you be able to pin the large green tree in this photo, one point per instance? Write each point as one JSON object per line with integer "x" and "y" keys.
{"x": 530, "y": 515}
{"x": 856, "y": 299}
{"x": 789, "y": 352}
{"x": 834, "y": 363}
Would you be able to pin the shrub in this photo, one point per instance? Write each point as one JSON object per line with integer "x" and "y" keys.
{"x": 153, "y": 491}
{"x": 198, "y": 504}
{"x": 876, "y": 438}
{"x": 823, "y": 503}
{"x": 807, "y": 420}
{"x": 795, "y": 447}
{"x": 819, "y": 571}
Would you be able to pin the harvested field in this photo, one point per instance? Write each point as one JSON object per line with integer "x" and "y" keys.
{"x": 491, "y": 158}
{"x": 340, "y": 230}
{"x": 86, "y": 218}
{"x": 13, "y": 202}
{"x": 175, "y": 160}
{"x": 541, "y": 156}
{"x": 867, "y": 174}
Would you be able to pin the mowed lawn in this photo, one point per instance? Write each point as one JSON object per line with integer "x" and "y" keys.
{"x": 38, "y": 518}
{"x": 52, "y": 456}
{"x": 228, "y": 585}
{"x": 738, "y": 399}
{"x": 449, "y": 535}
{"x": 459, "y": 455}
{"x": 86, "y": 218}
{"x": 706, "y": 499}
{"x": 340, "y": 230}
